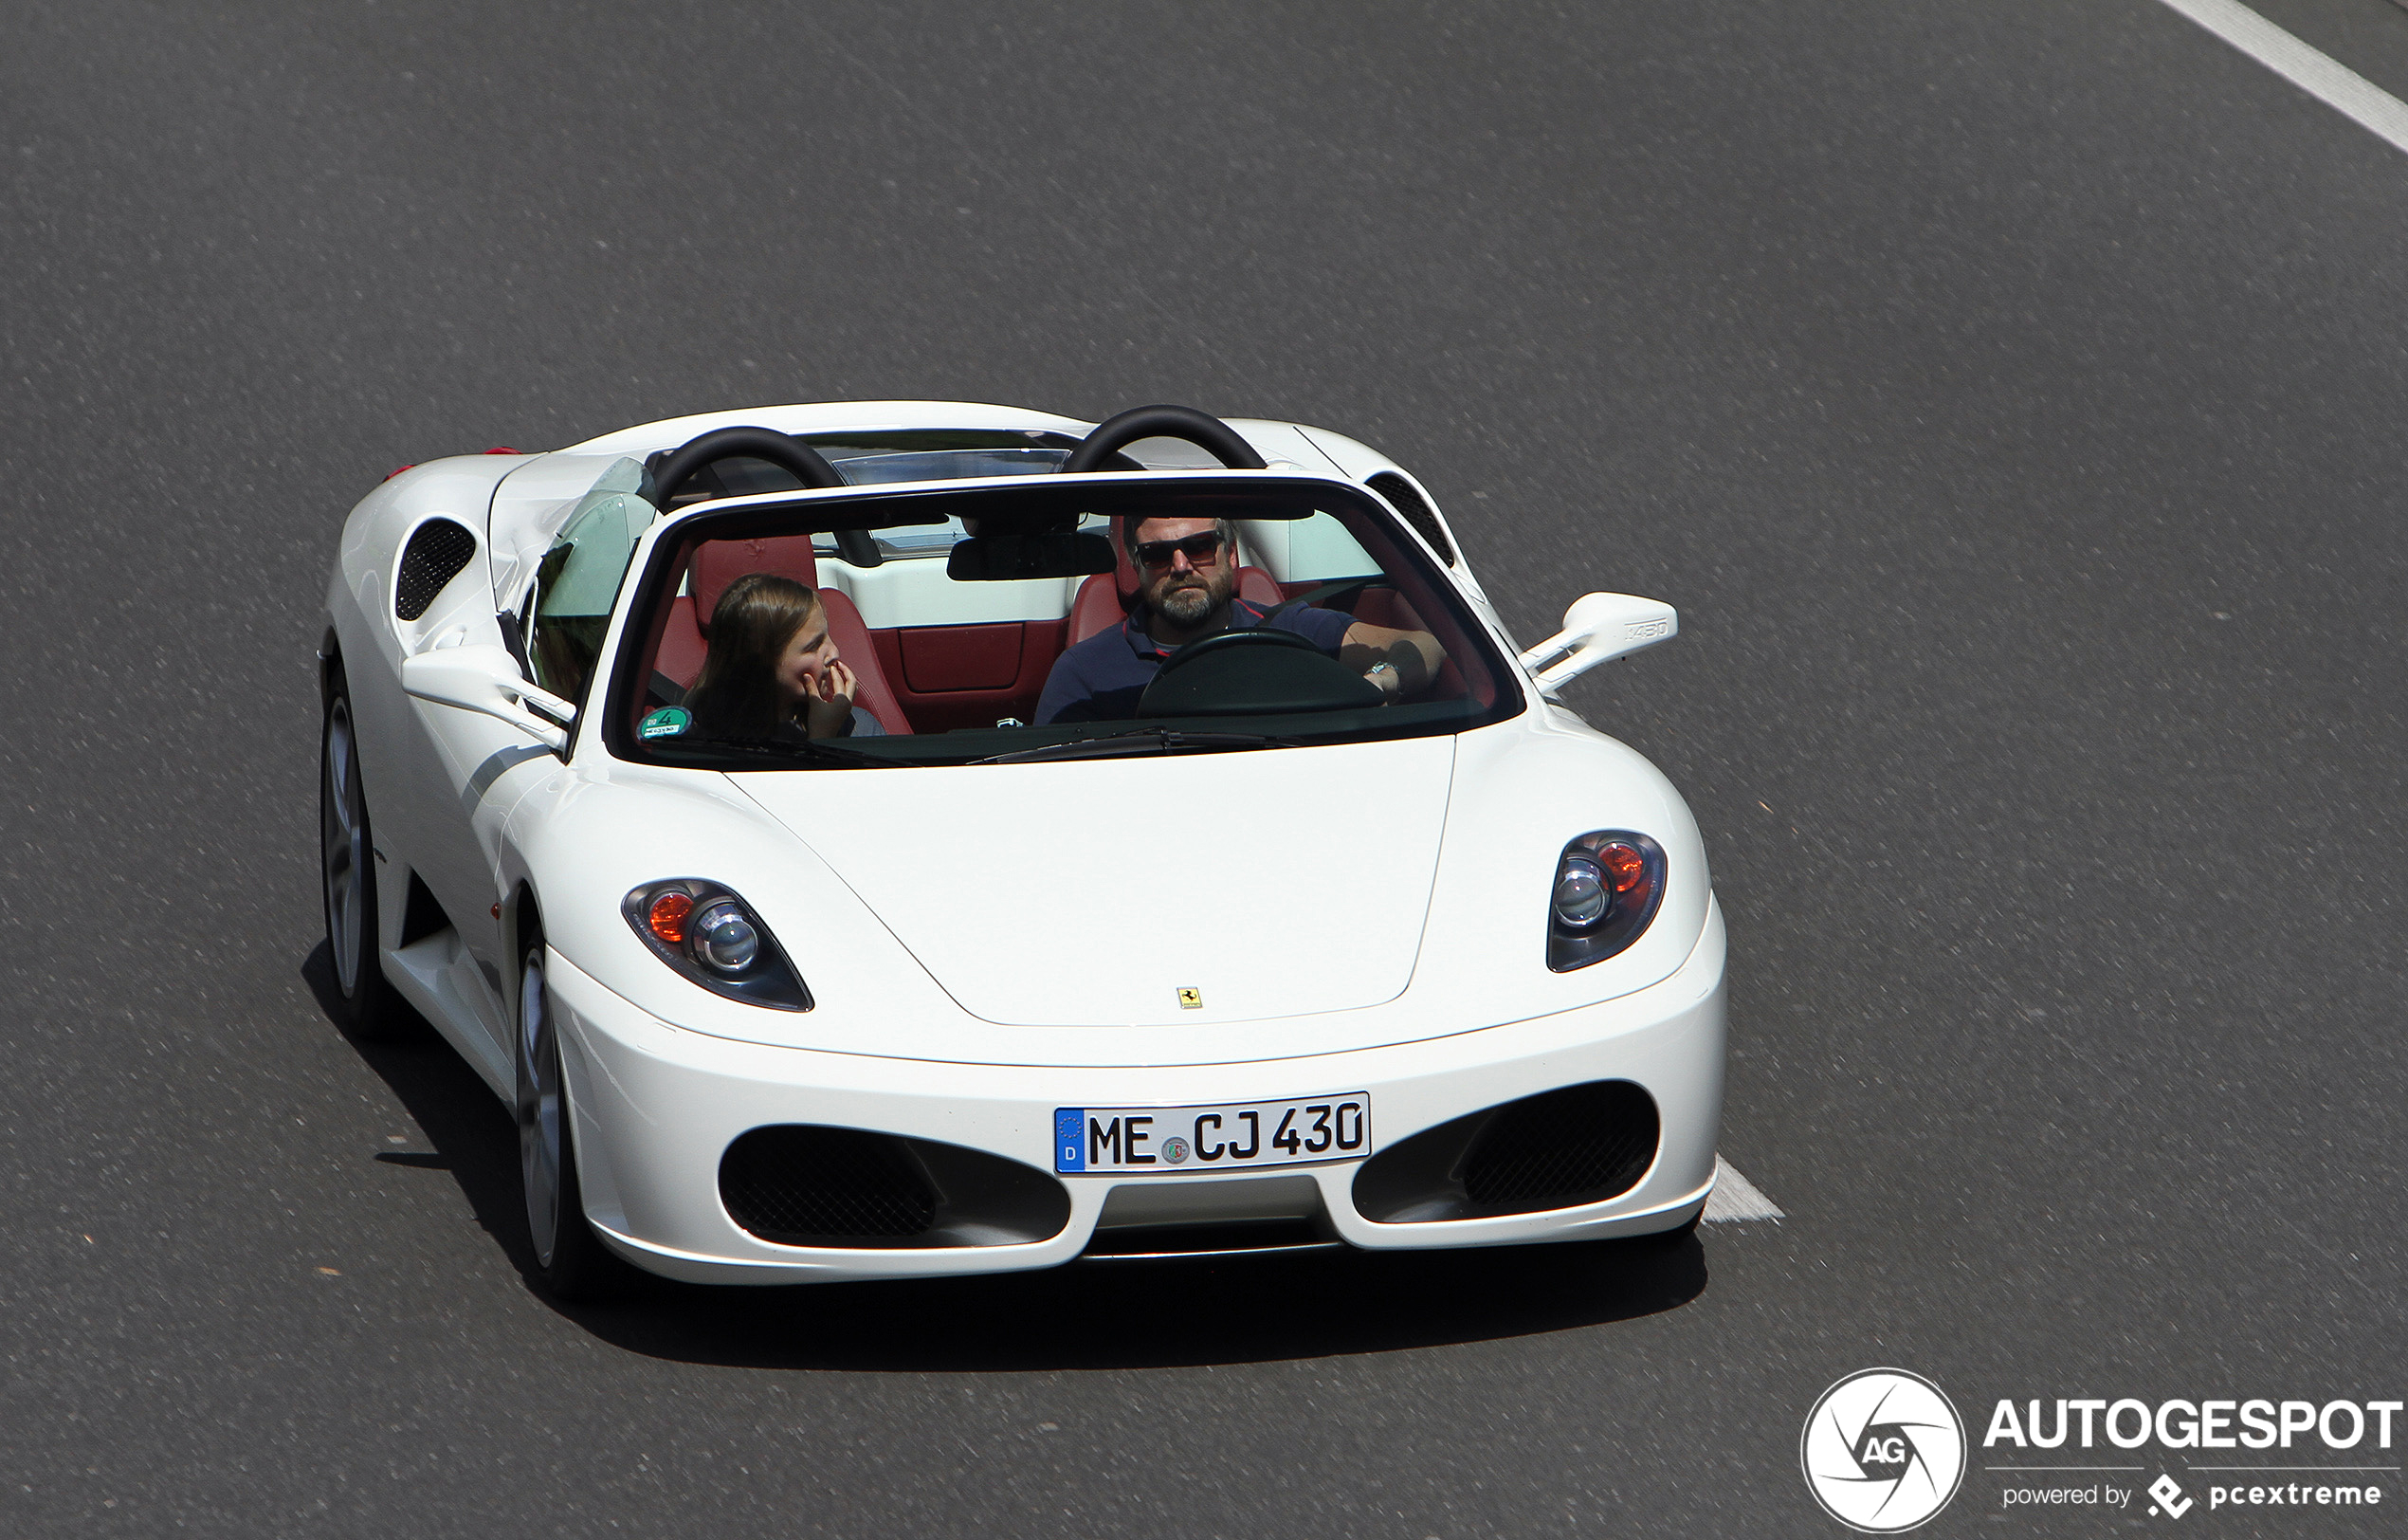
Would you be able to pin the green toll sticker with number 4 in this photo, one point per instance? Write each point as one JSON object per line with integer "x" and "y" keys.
{"x": 669, "y": 722}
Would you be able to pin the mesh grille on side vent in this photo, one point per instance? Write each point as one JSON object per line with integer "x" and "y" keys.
{"x": 1587, "y": 1141}
{"x": 1417, "y": 511}
{"x": 436, "y": 552}
{"x": 1557, "y": 1149}
{"x": 801, "y": 1185}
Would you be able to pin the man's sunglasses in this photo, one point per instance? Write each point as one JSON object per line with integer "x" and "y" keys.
{"x": 1202, "y": 550}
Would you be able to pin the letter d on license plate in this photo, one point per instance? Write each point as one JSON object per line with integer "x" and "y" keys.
{"x": 1153, "y": 1141}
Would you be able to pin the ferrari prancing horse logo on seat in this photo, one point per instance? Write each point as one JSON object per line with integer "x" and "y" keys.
{"x": 1191, "y": 999}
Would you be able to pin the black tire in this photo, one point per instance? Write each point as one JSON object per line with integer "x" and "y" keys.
{"x": 368, "y": 1006}
{"x": 571, "y": 1261}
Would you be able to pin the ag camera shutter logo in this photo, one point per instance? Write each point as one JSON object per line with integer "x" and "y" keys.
{"x": 1884, "y": 1450}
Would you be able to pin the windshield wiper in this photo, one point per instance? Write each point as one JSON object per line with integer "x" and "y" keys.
{"x": 1137, "y": 740}
{"x": 795, "y": 748}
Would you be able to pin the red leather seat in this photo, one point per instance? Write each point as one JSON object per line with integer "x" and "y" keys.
{"x": 718, "y": 564}
{"x": 1106, "y": 599}
{"x": 1097, "y": 607}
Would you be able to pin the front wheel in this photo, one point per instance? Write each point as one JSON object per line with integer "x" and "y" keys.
{"x": 571, "y": 1261}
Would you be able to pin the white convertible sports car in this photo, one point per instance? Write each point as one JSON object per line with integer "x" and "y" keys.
{"x": 888, "y": 839}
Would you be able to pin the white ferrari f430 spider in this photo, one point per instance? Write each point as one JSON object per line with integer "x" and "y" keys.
{"x": 891, "y": 839}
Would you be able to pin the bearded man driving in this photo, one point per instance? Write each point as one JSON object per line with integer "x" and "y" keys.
{"x": 1187, "y": 587}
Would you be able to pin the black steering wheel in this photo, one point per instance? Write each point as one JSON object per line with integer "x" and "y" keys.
{"x": 1229, "y": 641}
{"x": 1253, "y": 671}
{"x": 1207, "y": 433}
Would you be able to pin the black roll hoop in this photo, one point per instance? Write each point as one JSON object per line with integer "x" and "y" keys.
{"x": 672, "y": 472}
{"x": 1204, "y": 431}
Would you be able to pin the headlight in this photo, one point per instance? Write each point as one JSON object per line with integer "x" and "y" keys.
{"x": 1581, "y": 897}
{"x": 708, "y": 933}
{"x": 1607, "y": 887}
{"x": 725, "y": 939}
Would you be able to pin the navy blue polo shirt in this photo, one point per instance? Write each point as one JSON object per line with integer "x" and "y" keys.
{"x": 1100, "y": 679}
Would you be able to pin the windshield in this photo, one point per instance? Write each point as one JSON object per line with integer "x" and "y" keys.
{"x": 1043, "y": 619}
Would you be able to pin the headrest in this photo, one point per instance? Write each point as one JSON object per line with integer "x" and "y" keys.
{"x": 1124, "y": 567}
{"x": 718, "y": 564}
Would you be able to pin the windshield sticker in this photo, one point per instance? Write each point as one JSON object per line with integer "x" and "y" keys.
{"x": 669, "y": 722}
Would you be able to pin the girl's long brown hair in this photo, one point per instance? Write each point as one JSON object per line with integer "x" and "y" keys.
{"x": 759, "y": 615}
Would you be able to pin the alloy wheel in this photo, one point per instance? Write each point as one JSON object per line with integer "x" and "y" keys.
{"x": 343, "y": 825}
{"x": 539, "y": 1109}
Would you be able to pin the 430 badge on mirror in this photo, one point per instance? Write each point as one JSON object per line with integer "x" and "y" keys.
{"x": 1167, "y": 1139}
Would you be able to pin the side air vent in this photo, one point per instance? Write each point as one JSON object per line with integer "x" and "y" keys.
{"x": 1559, "y": 1149}
{"x": 800, "y": 1186}
{"x": 436, "y": 552}
{"x": 1417, "y": 511}
{"x": 803, "y": 1185}
{"x": 1580, "y": 1145}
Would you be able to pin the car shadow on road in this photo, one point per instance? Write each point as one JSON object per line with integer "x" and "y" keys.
{"x": 1090, "y": 1315}
{"x": 1153, "y": 1314}
{"x": 473, "y": 1137}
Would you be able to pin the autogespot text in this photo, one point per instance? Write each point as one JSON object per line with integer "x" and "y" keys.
{"x": 2186, "y": 1424}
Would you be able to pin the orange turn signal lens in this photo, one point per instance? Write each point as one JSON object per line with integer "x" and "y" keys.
{"x": 668, "y": 917}
{"x": 1624, "y": 866}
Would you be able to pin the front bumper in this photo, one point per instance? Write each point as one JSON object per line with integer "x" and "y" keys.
{"x": 655, "y": 1106}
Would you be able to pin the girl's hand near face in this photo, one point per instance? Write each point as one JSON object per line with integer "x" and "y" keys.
{"x": 827, "y": 709}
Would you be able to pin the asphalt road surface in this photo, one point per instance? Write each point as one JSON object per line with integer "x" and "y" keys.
{"x": 2009, "y": 396}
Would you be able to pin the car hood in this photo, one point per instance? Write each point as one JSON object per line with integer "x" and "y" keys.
{"x": 1100, "y": 893}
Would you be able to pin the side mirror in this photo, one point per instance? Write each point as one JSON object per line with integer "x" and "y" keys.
{"x": 1597, "y": 629}
{"x": 486, "y": 679}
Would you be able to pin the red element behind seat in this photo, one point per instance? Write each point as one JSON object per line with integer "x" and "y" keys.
{"x": 948, "y": 659}
{"x": 960, "y": 690}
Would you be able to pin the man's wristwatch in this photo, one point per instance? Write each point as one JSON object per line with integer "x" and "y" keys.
{"x": 1391, "y": 683}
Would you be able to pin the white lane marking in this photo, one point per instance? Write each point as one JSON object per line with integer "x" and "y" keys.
{"x": 2320, "y": 75}
{"x": 1734, "y": 1198}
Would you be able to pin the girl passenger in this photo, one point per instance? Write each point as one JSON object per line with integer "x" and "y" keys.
{"x": 772, "y": 669}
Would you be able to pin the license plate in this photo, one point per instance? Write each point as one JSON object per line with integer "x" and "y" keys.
{"x": 1158, "y": 1140}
